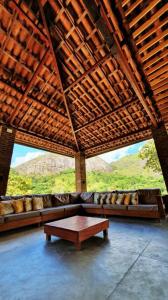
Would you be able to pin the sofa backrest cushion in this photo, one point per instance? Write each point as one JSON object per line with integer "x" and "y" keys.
{"x": 18, "y": 205}
{"x": 87, "y": 197}
{"x": 60, "y": 199}
{"x": 148, "y": 196}
{"x": 75, "y": 198}
{"x": 37, "y": 203}
{"x": 6, "y": 207}
{"x": 47, "y": 203}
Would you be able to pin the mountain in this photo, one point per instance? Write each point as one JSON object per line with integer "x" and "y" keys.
{"x": 131, "y": 165}
{"x": 53, "y": 164}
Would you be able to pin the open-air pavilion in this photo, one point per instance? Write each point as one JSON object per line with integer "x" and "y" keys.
{"x": 81, "y": 78}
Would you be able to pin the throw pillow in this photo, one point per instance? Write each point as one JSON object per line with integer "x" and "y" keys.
{"x": 18, "y": 206}
{"x": 102, "y": 199}
{"x": 134, "y": 199}
{"x": 113, "y": 198}
{"x": 97, "y": 198}
{"x": 37, "y": 203}
{"x": 120, "y": 199}
{"x": 47, "y": 201}
{"x": 127, "y": 199}
{"x": 27, "y": 204}
{"x": 108, "y": 199}
{"x": 6, "y": 208}
{"x": 75, "y": 198}
{"x": 86, "y": 197}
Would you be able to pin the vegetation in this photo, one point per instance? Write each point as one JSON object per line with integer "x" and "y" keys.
{"x": 148, "y": 153}
{"x": 141, "y": 170}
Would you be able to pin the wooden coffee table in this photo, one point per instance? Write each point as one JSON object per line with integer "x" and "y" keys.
{"x": 76, "y": 229}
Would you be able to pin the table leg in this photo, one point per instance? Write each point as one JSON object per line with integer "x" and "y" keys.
{"x": 48, "y": 237}
{"x": 105, "y": 234}
{"x": 78, "y": 246}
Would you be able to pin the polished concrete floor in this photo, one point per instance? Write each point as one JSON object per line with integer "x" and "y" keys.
{"x": 132, "y": 265}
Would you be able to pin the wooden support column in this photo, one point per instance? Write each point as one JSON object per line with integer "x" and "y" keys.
{"x": 7, "y": 138}
{"x": 160, "y": 137}
{"x": 80, "y": 170}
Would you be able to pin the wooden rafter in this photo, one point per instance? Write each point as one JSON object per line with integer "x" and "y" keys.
{"x": 112, "y": 40}
{"x": 56, "y": 68}
{"x": 29, "y": 86}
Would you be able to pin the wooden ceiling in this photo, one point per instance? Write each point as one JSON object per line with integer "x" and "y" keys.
{"x": 79, "y": 75}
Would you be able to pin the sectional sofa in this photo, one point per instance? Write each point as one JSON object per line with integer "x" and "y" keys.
{"x": 18, "y": 211}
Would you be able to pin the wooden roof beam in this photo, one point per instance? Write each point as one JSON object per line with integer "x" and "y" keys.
{"x": 102, "y": 23}
{"x": 29, "y": 86}
{"x": 140, "y": 131}
{"x": 34, "y": 101}
{"x": 57, "y": 69}
{"x": 115, "y": 110}
{"x": 36, "y": 29}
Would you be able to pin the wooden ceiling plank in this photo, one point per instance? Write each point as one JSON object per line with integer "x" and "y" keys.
{"x": 151, "y": 31}
{"x": 34, "y": 101}
{"x": 151, "y": 20}
{"x": 153, "y": 41}
{"x": 56, "y": 68}
{"x": 29, "y": 86}
{"x": 36, "y": 29}
{"x": 115, "y": 110}
{"x": 148, "y": 8}
{"x": 121, "y": 59}
{"x": 155, "y": 59}
{"x": 132, "y": 7}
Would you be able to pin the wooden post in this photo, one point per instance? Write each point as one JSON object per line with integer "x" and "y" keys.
{"x": 160, "y": 137}
{"x": 80, "y": 170}
{"x": 7, "y": 138}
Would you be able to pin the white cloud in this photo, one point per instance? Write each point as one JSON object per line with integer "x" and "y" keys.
{"x": 119, "y": 153}
{"x": 29, "y": 155}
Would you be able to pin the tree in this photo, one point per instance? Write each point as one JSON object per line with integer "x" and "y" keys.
{"x": 148, "y": 153}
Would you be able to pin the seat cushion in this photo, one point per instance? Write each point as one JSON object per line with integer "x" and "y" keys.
{"x": 91, "y": 205}
{"x": 115, "y": 206}
{"x": 1, "y": 219}
{"x": 20, "y": 216}
{"x": 149, "y": 207}
{"x": 72, "y": 206}
{"x": 51, "y": 210}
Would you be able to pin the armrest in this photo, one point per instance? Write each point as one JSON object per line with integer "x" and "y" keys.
{"x": 161, "y": 207}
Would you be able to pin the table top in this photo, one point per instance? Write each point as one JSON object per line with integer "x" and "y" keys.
{"x": 77, "y": 223}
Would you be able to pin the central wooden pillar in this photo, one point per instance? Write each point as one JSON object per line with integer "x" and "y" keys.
{"x": 80, "y": 172}
{"x": 160, "y": 137}
{"x": 7, "y": 139}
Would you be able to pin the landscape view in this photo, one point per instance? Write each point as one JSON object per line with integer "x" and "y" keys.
{"x": 52, "y": 173}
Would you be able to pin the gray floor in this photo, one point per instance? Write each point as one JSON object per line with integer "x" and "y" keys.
{"x": 133, "y": 264}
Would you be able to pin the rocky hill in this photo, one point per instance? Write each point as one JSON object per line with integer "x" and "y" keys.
{"x": 54, "y": 164}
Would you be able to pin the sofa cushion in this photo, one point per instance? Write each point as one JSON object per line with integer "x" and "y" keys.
{"x": 134, "y": 198}
{"x": 148, "y": 196}
{"x": 72, "y": 206}
{"x": 127, "y": 198}
{"x": 75, "y": 198}
{"x": 91, "y": 205}
{"x": 115, "y": 206}
{"x": 1, "y": 219}
{"x": 20, "y": 216}
{"x": 51, "y": 210}
{"x": 120, "y": 199}
{"x": 47, "y": 201}
{"x": 97, "y": 198}
{"x": 60, "y": 199}
{"x": 113, "y": 198}
{"x": 150, "y": 207}
{"x": 28, "y": 204}
{"x": 6, "y": 207}
{"x": 18, "y": 206}
{"x": 37, "y": 203}
{"x": 87, "y": 197}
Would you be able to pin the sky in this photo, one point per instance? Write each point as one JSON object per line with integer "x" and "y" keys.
{"x": 23, "y": 154}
